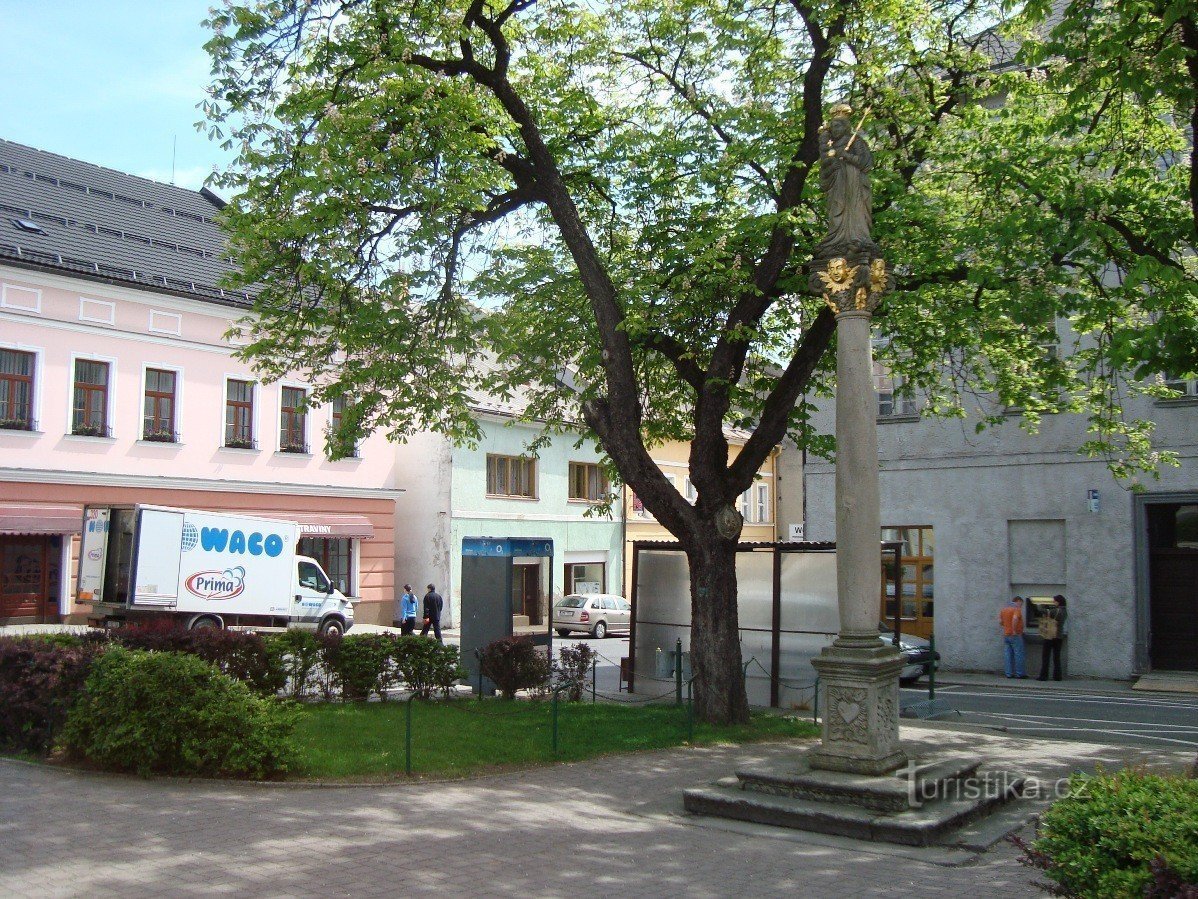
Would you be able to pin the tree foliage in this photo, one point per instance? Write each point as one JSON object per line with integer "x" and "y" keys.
{"x": 611, "y": 206}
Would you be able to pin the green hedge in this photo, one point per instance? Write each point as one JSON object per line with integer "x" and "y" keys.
{"x": 172, "y": 713}
{"x": 1124, "y": 834}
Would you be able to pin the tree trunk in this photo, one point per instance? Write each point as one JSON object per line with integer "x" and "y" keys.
{"x": 719, "y": 686}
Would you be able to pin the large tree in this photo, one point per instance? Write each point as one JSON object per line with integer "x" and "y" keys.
{"x": 616, "y": 201}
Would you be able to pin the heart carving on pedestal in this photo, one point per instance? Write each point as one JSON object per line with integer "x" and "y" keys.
{"x": 849, "y": 711}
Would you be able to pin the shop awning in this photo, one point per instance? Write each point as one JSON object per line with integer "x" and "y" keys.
{"x": 38, "y": 518}
{"x": 320, "y": 524}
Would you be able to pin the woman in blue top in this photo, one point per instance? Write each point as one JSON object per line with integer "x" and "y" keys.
{"x": 407, "y": 611}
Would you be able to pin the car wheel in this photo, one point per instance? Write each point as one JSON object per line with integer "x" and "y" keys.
{"x": 562, "y": 632}
{"x": 600, "y": 630}
{"x": 206, "y": 623}
{"x": 332, "y": 627}
{"x": 908, "y": 681}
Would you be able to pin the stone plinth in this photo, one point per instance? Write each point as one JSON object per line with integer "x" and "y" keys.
{"x": 859, "y": 686}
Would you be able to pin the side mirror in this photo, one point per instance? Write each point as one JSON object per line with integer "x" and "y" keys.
{"x": 331, "y": 590}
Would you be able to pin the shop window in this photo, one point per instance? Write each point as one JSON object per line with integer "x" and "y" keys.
{"x": 588, "y": 482}
{"x": 239, "y": 414}
{"x": 335, "y": 555}
{"x": 511, "y": 476}
{"x": 16, "y": 391}
{"x": 293, "y": 420}
{"x": 158, "y": 418}
{"x": 587, "y": 577}
{"x": 90, "y": 410}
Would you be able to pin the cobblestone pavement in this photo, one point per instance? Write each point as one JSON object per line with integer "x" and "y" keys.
{"x": 570, "y": 830}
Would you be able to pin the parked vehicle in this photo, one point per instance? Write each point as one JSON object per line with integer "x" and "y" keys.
{"x": 205, "y": 569}
{"x": 593, "y": 613}
{"x": 916, "y": 652}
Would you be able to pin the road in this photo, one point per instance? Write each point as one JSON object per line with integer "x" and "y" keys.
{"x": 1142, "y": 719}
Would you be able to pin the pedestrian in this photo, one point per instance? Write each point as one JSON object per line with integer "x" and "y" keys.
{"x": 1052, "y": 630}
{"x": 407, "y": 611}
{"x": 1011, "y": 619}
{"x": 433, "y": 603}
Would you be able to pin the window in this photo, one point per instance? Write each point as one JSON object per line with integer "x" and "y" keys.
{"x": 348, "y": 448}
{"x": 763, "y": 503}
{"x": 312, "y": 578}
{"x": 293, "y": 421}
{"x": 586, "y": 577}
{"x": 587, "y": 482}
{"x": 335, "y": 555}
{"x": 90, "y": 411}
{"x": 16, "y": 391}
{"x": 691, "y": 494}
{"x": 239, "y": 414}
{"x": 511, "y": 476}
{"x": 1184, "y": 386}
{"x": 746, "y": 505}
{"x": 158, "y": 419}
{"x": 888, "y": 387}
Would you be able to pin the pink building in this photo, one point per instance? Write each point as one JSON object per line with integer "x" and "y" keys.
{"x": 118, "y": 385}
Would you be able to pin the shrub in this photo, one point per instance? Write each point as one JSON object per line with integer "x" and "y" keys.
{"x": 176, "y": 714}
{"x": 296, "y": 656}
{"x": 513, "y": 663}
{"x": 356, "y": 666}
{"x": 39, "y": 680}
{"x": 1124, "y": 834}
{"x": 572, "y": 670}
{"x": 239, "y": 654}
{"x": 425, "y": 666}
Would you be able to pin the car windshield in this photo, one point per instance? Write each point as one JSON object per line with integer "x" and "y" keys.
{"x": 573, "y": 602}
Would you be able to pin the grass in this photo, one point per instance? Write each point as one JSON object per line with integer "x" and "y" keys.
{"x": 459, "y": 738}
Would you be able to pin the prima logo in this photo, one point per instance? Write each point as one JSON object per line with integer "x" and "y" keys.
{"x": 225, "y": 584}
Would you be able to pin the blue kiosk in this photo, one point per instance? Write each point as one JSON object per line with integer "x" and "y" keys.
{"x": 486, "y": 592}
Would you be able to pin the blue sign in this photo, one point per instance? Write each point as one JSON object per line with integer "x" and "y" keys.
{"x": 507, "y": 547}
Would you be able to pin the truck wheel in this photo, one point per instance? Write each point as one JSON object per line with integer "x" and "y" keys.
{"x": 206, "y": 623}
{"x": 600, "y": 630}
{"x": 332, "y": 627}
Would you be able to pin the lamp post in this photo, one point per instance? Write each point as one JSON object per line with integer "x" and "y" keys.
{"x": 858, "y": 672}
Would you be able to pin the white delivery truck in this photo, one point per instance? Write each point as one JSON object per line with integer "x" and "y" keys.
{"x": 208, "y": 569}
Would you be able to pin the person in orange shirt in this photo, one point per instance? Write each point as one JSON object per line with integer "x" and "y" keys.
{"x": 1011, "y": 619}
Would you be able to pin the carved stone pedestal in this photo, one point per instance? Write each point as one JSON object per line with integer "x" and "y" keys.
{"x": 859, "y": 682}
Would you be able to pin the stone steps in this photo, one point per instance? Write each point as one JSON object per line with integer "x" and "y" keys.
{"x": 921, "y": 805}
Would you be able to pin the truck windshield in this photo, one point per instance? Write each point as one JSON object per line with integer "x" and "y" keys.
{"x": 313, "y": 578}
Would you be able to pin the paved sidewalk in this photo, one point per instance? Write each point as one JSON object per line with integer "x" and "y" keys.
{"x": 586, "y": 829}
{"x": 1068, "y": 685}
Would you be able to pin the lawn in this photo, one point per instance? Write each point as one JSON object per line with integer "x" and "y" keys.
{"x": 459, "y": 738}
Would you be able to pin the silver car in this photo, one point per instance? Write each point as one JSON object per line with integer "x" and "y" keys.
{"x": 592, "y": 613}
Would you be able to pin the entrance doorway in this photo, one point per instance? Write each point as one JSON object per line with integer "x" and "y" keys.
{"x": 526, "y": 591}
{"x": 918, "y": 580}
{"x": 30, "y": 579}
{"x": 1172, "y": 597}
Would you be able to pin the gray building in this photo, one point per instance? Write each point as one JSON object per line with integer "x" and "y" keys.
{"x": 987, "y": 516}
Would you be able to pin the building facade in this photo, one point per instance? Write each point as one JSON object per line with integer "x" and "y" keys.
{"x": 118, "y": 385}
{"x": 984, "y": 517}
{"x": 497, "y": 490}
{"x": 758, "y": 504}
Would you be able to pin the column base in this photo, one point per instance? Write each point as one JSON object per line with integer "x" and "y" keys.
{"x": 859, "y": 682}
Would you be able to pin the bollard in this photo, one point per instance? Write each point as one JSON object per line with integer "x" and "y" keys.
{"x": 408, "y": 739}
{"x": 555, "y": 722}
{"x": 815, "y": 704}
{"x": 932, "y": 670}
{"x": 594, "y": 666}
{"x": 690, "y": 712}
{"x": 678, "y": 672}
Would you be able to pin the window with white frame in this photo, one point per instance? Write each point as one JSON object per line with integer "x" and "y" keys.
{"x": 16, "y": 390}
{"x": 239, "y": 414}
{"x": 888, "y": 386}
{"x": 691, "y": 494}
{"x": 347, "y": 448}
{"x": 762, "y": 508}
{"x": 158, "y": 413}
{"x": 89, "y": 410}
{"x": 293, "y": 420}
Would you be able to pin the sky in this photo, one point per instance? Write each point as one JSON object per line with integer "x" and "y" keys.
{"x": 112, "y": 82}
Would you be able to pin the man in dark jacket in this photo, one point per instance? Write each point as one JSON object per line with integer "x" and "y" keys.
{"x": 433, "y": 603}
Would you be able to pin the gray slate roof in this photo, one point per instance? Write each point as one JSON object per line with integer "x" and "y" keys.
{"x": 105, "y": 225}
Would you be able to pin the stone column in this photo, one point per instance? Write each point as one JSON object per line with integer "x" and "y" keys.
{"x": 858, "y": 672}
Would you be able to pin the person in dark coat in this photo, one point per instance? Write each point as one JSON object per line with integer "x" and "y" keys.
{"x": 433, "y": 604}
{"x": 1052, "y": 647}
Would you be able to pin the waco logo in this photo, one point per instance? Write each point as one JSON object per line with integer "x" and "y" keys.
{"x": 225, "y": 584}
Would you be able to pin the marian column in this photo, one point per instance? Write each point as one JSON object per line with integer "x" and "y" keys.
{"x": 858, "y": 672}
